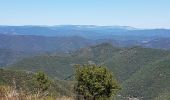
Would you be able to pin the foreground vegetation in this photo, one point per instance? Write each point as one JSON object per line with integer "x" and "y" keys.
{"x": 92, "y": 83}
{"x": 95, "y": 83}
{"x": 30, "y": 86}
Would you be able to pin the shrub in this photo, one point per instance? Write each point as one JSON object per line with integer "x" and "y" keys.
{"x": 94, "y": 82}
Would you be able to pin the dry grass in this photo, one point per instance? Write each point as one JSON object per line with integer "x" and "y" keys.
{"x": 64, "y": 98}
{"x": 10, "y": 93}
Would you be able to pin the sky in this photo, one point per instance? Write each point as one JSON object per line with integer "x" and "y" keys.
{"x": 135, "y": 13}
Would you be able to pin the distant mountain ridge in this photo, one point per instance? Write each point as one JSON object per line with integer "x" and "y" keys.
{"x": 60, "y": 30}
{"x": 116, "y": 35}
{"x": 86, "y": 31}
{"x": 33, "y": 40}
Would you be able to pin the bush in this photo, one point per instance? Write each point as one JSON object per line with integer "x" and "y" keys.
{"x": 39, "y": 84}
{"x": 94, "y": 82}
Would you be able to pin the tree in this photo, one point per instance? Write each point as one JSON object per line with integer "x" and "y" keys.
{"x": 41, "y": 82}
{"x": 94, "y": 82}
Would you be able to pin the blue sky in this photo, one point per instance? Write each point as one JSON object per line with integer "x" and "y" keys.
{"x": 136, "y": 13}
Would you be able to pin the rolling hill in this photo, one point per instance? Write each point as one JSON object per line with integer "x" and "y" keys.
{"x": 37, "y": 44}
{"x": 143, "y": 72}
{"x": 8, "y": 56}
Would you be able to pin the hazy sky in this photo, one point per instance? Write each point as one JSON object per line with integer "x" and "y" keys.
{"x": 136, "y": 13}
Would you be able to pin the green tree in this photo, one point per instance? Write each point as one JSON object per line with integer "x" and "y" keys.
{"x": 95, "y": 82}
{"x": 41, "y": 82}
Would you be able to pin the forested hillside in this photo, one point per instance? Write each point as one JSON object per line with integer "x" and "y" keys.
{"x": 143, "y": 72}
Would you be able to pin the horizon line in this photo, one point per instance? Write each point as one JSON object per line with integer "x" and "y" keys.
{"x": 43, "y": 25}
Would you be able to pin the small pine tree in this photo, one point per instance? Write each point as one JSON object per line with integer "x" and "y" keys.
{"x": 94, "y": 82}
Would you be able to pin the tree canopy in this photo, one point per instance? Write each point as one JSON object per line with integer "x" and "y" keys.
{"x": 95, "y": 82}
{"x": 41, "y": 82}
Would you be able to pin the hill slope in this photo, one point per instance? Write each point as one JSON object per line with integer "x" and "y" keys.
{"x": 8, "y": 56}
{"x": 143, "y": 72}
{"x": 37, "y": 44}
{"x": 22, "y": 81}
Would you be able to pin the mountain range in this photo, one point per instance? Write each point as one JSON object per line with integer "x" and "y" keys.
{"x": 86, "y": 31}
{"x": 139, "y": 58}
{"x": 26, "y": 41}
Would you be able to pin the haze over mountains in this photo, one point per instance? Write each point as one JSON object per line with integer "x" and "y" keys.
{"x": 86, "y": 31}
{"x": 139, "y": 58}
{"x": 117, "y": 35}
{"x": 30, "y": 40}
